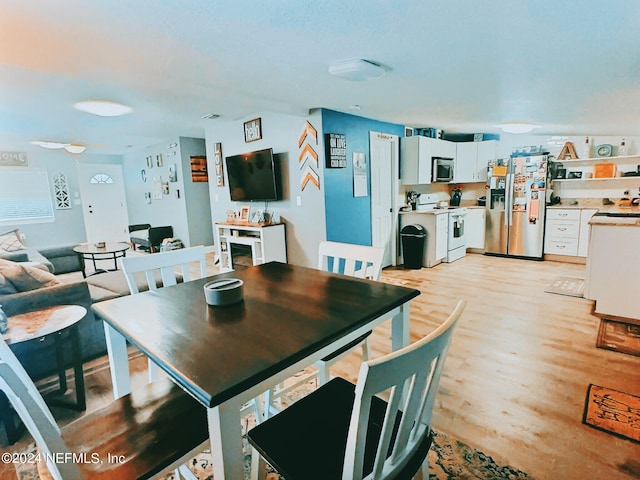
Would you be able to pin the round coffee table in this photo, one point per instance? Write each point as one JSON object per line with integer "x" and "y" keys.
{"x": 110, "y": 251}
{"x": 60, "y": 323}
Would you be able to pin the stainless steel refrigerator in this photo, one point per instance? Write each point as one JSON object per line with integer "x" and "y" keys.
{"x": 515, "y": 206}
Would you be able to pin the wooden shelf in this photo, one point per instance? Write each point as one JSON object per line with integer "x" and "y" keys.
{"x": 630, "y": 158}
{"x": 593, "y": 179}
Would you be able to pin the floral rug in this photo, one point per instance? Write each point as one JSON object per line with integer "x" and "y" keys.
{"x": 449, "y": 459}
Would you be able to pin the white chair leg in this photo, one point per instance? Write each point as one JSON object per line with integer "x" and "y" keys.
{"x": 424, "y": 469}
{"x": 268, "y": 399}
{"x": 183, "y": 472}
{"x": 258, "y": 466}
{"x": 323, "y": 373}
{"x": 366, "y": 350}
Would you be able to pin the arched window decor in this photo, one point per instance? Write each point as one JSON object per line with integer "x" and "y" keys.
{"x": 101, "y": 178}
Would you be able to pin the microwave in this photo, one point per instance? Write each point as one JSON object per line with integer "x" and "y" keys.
{"x": 442, "y": 170}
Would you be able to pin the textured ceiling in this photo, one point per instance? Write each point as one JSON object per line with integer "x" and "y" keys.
{"x": 462, "y": 66}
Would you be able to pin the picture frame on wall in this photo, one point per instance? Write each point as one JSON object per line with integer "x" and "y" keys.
{"x": 173, "y": 173}
{"x": 253, "y": 130}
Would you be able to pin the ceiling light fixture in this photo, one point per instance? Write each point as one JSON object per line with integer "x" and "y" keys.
{"x": 356, "y": 70}
{"x": 103, "y": 108}
{"x": 518, "y": 127}
{"x": 69, "y": 147}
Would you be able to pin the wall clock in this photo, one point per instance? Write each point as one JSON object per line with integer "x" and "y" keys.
{"x": 604, "y": 150}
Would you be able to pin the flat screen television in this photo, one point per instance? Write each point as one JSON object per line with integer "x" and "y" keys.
{"x": 252, "y": 176}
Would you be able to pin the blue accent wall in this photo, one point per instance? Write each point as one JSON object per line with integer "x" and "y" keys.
{"x": 348, "y": 218}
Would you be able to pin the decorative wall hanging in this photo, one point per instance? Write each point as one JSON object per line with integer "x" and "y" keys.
{"x": 360, "y": 182}
{"x": 253, "y": 130}
{"x": 567, "y": 151}
{"x": 159, "y": 161}
{"x": 149, "y": 161}
{"x": 13, "y": 159}
{"x": 61, "y": 191}
{"x": 157, "y": 188}
{"x": 173, "y": 173}
{"x": 143, "y": 175}
{"x": 199, "y": 169}
{"x": 165, "y": 188}
{"x": 308, "y": 157}
{"x": 335, "y": 145}
{"x": 147, "y": 197}
{"x": 217, "y": 160}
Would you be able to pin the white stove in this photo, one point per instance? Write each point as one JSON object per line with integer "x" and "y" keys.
{"x": 456, "y": 240}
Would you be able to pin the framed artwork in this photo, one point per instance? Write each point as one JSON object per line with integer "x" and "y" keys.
{"x": 159, "y": 161}
{"x": 165, "y": 188}
{"x": 199, "y": 169}
{"x": 253, "y": 130}
{"x": 244, "y": 213}
{"x": 173, "y": 173}
{"x": 335, "y": 145}
{"x": 258, "y": 216}
{"x": 149, "y": 161}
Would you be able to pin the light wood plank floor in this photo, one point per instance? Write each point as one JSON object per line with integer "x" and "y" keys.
{"x": 519, "y": 365}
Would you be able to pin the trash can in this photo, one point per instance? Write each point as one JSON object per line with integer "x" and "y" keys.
{"x": 413, "y": 238}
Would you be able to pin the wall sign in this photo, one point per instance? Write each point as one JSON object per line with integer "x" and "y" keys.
{"x": 252, "y": 130}
{"x": 217, "y": 161}
{"x": 335, "y": 145}
{"x": 13, "y": 159}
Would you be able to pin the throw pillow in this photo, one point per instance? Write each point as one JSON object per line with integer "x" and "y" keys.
{"x": 24, "y": 278}
{"x": 10, "y": 241}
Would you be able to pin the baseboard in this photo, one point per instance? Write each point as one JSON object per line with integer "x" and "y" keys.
{"x": 565, "y": 258}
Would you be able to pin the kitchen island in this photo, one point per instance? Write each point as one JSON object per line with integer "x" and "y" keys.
{"x": 613, "y": 264}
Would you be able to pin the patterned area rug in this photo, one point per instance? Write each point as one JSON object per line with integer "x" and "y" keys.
{"x": 571, "y": 286}
{"x": 449, "y": 459}
{"x": 613, "y": 412}
{"x": 619, "y": 337}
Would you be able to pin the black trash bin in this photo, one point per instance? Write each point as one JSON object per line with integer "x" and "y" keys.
{"x": 413, "y": 238}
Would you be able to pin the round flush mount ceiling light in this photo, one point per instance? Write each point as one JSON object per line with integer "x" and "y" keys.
{"x": 357, "y": 70}
{"x": 103, "y": 108}
{"x": 518, "y": 127}
{"x": 69, "y": 147}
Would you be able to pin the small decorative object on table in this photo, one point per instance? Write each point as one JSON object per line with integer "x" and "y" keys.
{"x": 258, "y": 216}
{"x": 622, "y": 149}
{"x": 100, "y": 244}
{"x": 223, "y": 292}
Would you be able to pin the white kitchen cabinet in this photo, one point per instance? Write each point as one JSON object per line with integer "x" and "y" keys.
{"x": 583, "y": 238}
{"x": 472, "y": 160}
{"x": 474, "y": 228}
{"x": 442, "y": 235}
{"x": 416, "y": 157}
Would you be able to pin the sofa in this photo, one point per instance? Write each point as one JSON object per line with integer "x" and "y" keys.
{"x": 148, "y": 237}
{"x": 67, "y": 287}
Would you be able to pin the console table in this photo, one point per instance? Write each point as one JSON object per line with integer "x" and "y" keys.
{"x": 267, "y": 242}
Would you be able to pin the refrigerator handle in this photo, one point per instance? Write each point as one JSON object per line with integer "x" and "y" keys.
{"x": 508, "y": 200}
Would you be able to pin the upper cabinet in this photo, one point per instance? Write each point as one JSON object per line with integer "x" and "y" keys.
{"x": 416, "y": 157}
{"x": 472, "y": 160}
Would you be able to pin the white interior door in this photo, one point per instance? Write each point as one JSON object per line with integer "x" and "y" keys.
{"x": 104, "y": 203}
{"x": 384, "y": 152}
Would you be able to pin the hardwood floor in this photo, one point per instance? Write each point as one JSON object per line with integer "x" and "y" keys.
{"x": 519, "y": 365}
{"x": 517, "y": 372}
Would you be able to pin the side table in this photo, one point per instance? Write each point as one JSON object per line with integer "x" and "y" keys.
{"x": 59, "y": 322}
{"x": 110, "y": 251}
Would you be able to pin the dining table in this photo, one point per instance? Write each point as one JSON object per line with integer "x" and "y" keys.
{"x": 225, "y": 356}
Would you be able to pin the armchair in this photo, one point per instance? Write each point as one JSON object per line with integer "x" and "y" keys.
{"x": 149, "y": 237}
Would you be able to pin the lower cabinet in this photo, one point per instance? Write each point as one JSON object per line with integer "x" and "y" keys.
{"x": 474, "y": 228}
{"x": 567, "y": 231}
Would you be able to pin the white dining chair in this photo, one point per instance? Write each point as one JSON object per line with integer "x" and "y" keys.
{"x": 345, "y": 431}
{"x": 358, "y": 261}
{"x": 162, "y": 269}
{"x": 148, "y": 433}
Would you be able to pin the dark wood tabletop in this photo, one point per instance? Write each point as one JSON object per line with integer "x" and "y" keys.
{"x": 288, "y": 312}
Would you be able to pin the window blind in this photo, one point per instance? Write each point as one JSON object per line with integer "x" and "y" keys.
{"x": 25, "y": 196}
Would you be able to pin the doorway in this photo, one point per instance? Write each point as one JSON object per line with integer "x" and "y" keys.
{"x": 384, "y": 153}
{"x": 104, "y": 205}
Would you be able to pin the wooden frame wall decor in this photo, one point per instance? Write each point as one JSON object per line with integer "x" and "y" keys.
{"x": 253, "y": 130}
{"x": 217, "y": 161}
{"x": 199, "y": 171}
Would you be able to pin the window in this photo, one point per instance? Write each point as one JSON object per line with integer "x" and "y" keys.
{"x": 25, "y": 196}
{"x": 101, "y": 178}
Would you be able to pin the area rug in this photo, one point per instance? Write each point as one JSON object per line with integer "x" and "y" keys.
{"x": 612, "y": 411}
{"x": 449, "y": 459}
{"x": 571, "y": 286}
{"x": 619, "y": 337}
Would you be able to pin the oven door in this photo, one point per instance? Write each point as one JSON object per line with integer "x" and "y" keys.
{"x": 456, "y": 231}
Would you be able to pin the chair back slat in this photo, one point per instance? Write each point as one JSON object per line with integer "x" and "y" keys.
{"x": 166, "y": 263}
{"x": 354, "y": 260}
{"x": 34, "y": 413}
{"x": 411, "y": 375}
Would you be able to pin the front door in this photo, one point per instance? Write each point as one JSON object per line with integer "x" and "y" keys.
{"x": 384, "y": 188}
{"x": 104, "y": 205}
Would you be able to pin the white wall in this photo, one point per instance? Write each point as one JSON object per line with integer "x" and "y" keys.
{"x": 305, "y": 224}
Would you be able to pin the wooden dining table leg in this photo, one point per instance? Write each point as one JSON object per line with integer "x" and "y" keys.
{"x": 400, "y": 328}
{"x": 118, "y": 362}
{"x": 226, "y": 440}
